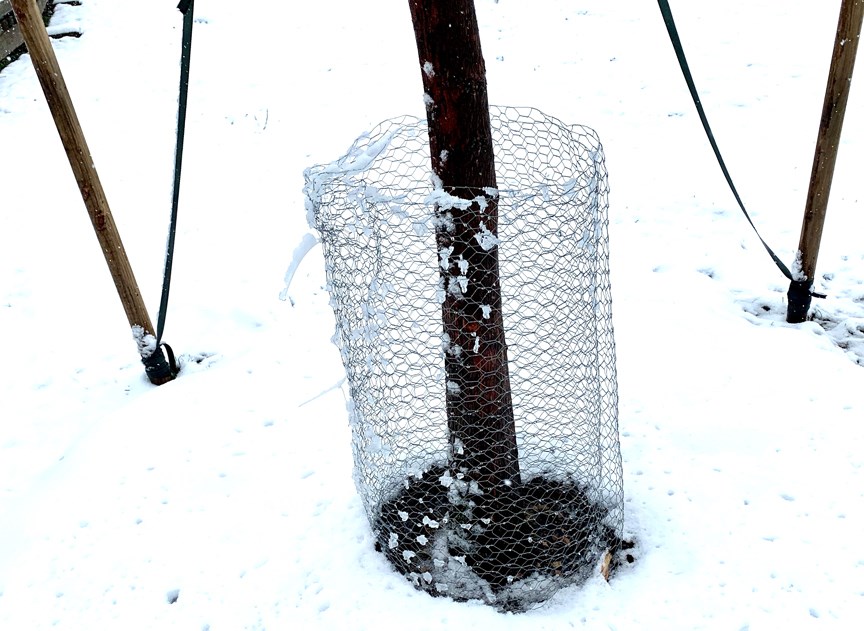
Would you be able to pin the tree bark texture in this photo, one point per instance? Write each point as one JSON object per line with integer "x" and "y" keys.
{"x": 479, "y": 406}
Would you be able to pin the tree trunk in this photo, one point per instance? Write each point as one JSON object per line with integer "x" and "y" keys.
{"x": 479, "y": 406}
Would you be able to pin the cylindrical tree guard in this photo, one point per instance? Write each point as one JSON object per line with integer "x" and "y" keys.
{"x": 377, "y": 210}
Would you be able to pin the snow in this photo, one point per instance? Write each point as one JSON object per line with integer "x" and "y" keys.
{"x": 225, "y": 500}
{"x": 307, "y": 242}
{"x": 145, "y": 342}
{"x": 485, "y": 238}
{"x": 357, "y": 160}
{"x": 445, "y": 201}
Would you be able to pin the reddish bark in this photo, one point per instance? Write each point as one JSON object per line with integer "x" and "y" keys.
{"x": 479, "y": 406}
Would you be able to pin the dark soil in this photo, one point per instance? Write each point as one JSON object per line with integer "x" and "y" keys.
{"x": 543, "y": 527}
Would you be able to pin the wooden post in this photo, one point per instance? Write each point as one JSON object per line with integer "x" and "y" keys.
{"x": 479, "y": 406}
{"x": 825, "y": 157}
{"x": 60, "y": 103}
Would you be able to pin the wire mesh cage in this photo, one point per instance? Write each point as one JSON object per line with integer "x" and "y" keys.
{"x": 555, "y": 512}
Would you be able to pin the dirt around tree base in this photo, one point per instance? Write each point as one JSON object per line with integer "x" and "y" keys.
{"x": 512, "y": 550}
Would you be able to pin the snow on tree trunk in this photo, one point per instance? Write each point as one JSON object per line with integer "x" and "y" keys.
{"x": 479, "y": 407}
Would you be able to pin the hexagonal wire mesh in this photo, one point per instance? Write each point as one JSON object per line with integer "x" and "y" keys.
{"x": 375, "y": 210}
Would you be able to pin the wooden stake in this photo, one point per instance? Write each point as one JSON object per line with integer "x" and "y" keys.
{"x": 60, "y": 103}
{"x": 825, "y": 157}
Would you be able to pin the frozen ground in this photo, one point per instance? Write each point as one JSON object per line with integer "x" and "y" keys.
{"x": 224, "y": 500}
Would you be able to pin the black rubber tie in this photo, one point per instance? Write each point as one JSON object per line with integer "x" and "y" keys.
{"x": 159, "y": 370}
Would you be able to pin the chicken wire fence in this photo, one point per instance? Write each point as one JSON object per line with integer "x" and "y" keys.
{"x": 557, "y": 515}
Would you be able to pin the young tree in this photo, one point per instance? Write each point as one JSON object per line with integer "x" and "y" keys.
{"x": 479, "y": 406}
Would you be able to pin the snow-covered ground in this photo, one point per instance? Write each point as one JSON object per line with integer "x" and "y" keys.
{"x": 224, "y": 499}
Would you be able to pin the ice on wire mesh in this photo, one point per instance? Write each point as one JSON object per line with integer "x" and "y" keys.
{"x": 377, "y": 210}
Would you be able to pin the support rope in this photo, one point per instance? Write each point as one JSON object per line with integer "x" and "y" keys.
{"x": 798, "y": 286}
{"x": 186, "y": 7}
